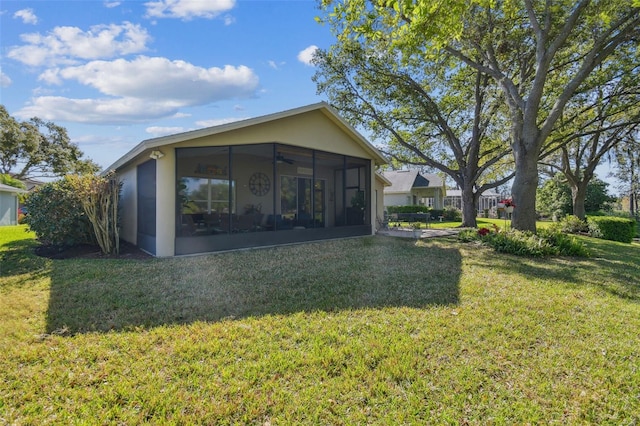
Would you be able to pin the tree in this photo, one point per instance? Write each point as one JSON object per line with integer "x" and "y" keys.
{"x": 36, "y": 148}
{"x": 594, "y": 123}
{"x": 427, "y": 113}
{"x": 539, "y": 54}
{"x": 6, "y": 179}
{"x": 555, "y": 197}
{"x": 628, "y": 170}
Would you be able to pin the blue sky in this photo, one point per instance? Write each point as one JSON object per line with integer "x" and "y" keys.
{"x": 114, "y": 73}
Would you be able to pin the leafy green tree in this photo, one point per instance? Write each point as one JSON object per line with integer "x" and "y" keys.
{"x": 36, "y": 148}
{"x": 11, "y": 181}
{"x": 430, "y": 114}
{"x": 539, "y": 54}
{"x": 628, "y": 170}
{"x": 594, "y": 123}
{"x": 555, "y": 197}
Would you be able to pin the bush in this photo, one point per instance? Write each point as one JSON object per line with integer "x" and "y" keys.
{"x": 55, "y": 214}
{"x": 612, "y": 228}
{"x": 545, "y": 243}
{"x": 408, "y": 209}
{"x": 451, "y": 214}
{"x": 571, "y": 224}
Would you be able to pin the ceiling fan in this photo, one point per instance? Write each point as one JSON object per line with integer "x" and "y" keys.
{"x": 282, "y": 159}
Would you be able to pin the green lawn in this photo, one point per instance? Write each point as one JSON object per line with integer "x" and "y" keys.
{"x": 374, "y": 330}
{"x": 486, "y": 222}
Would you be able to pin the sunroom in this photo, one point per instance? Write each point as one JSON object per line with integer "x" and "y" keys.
{"x": 295, "y": 176}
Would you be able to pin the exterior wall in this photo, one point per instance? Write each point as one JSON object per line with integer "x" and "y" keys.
{"x": 8, "y": 209}
{"x": 406, "y": 199}
{"x": 166, "y": 204}
{"x": 312, "y": 130}
{"x": 401, "y": 199}
{"x": 129, "y": 203}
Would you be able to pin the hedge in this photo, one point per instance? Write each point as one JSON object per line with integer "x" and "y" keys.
{"x": 612, "y": 228}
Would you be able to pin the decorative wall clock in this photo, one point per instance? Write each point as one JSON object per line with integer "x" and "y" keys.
{"x": 259, "y": 184}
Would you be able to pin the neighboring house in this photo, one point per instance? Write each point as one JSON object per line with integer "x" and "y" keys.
{"x": 294, "y": 176}
{"x": 411, "y": 188}
{"x": 488, "y": 200}
{"x": 32, "y": 184}
{"x": 9, "y": 204}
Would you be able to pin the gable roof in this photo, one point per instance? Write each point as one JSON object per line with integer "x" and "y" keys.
{"x": 323, "y": 107}
{"x": 403, "y": 181}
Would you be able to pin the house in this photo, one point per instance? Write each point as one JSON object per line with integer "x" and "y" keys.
{"x": 488, "y": 200}
{"x": 9, "y": 204}
{"x": 411, "y": 188}
{"x": 293, "y": 176}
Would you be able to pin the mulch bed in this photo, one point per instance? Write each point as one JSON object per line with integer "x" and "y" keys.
{"x": 86, "y": 251}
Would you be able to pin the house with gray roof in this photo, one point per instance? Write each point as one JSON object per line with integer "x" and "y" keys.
{"x": 410, "y": 187}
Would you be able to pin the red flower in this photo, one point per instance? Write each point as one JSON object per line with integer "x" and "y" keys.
{"x": 508, "y": 202}
{"x": 483, "y": 231}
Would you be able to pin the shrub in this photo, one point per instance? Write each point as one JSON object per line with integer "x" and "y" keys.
{"x": 612, "y": 228}
{"x": 451, "y": 214}
{"x": 545, "y": 243}
{"x": 571, "y": 224}
{"x": 99, "y": 198}
{"x": 408, "y": 209}
{"x": 55, "y": 214}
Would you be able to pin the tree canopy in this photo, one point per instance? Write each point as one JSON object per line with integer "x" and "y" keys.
{"x": 36, "y": 148}
{"x": 424, "y": 111}
{"x": 539, "y": 54}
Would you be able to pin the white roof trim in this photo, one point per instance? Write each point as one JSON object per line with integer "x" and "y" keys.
{"x": 11, "y": 189}
{"x": 149, "y": 144}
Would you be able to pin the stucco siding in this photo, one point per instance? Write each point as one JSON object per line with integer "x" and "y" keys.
{"x": 166, "y": 204}
{"x": 8, "y": 209}
{"x": 396, "y": 199}
{"x": 312, "y": 130}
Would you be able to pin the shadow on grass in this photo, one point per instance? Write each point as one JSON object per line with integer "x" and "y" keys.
{"x": 371, "y": 272}
{"x": 17, "y": 258}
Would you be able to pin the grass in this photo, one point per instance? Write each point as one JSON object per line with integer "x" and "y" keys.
{"x": 486, "y": 222}
{"x": 375, "y": 330}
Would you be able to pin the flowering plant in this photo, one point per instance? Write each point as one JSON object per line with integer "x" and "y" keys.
{"x": 508, "y": 202}
{"x": 484, "y": 231}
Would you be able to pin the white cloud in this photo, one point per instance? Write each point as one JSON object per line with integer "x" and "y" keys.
{"x": 95, "y": 111}
{"x": 65, "y": 45}
{"x": 156, "y": 78}
{"x": 306, "y": 55}
{"x": 188, "y": 9}
{"x": 141, "y": 89}
{"x": 27, "y": 16}
{"x": 158, "y": 131}
{"x": 219, "y": 121}
{"x": 229, "y": 20}
{"x": 5, "y": 81}
{"x": 276, "y": 65}
{"x": 111, "y": 4}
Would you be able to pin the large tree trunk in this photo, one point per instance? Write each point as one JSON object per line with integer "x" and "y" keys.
{"x": 578, "y": 197}
{"x": 523, "y": 190}
{"x": 469, "y": 207}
